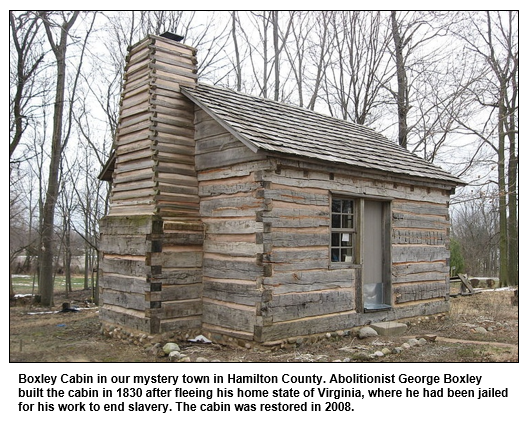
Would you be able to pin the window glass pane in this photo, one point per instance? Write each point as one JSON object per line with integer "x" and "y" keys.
{"x": 335, "y": 255}
{"x": 336, "y": 221}
{"x": 336, "y": 205}
{"x": 335, "y": 240}
{"x": 347, "y": 240}
{"x": 347, "y": 206}
{"x": 347, "y": 221}
{"x": 346, "y": 255}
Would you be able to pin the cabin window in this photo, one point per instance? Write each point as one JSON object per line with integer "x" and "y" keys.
{"x": 343, "y": 230}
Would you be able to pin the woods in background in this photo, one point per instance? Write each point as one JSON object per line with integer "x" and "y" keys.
{"x": 443, "y": 85}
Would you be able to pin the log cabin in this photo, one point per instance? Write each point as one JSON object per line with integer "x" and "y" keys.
{"x": 242, "y": 218}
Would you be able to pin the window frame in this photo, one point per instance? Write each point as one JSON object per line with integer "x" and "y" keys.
{"x": 341, "y": 230}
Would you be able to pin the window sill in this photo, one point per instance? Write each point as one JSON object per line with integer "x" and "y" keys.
{"x": 344, "y": 265}
{"x": 376, "y": 307}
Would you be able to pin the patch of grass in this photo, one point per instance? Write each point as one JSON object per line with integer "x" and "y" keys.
{"x": 23, "y": 284}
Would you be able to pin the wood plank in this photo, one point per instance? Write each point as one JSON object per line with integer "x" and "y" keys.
{"x": 129, "y": 225}
{"x": 306, "y": 281}
{"x": 299, "y": 217}
{"x": 125, "y": 299}
{"x": 420, "y": 291}
{"x": 418, "y": 253}
{"x": 238, "y": 292}
{"x": 345, "y": 320}
{"x": 178, "y": 292}
{"x": 296, "y": 196}
{"x": 286, "y": 307}
{"x": 178, "y": 276}
{"x": 227, "y": 188}
{"x": 132, "y": 319}
{"x": 182, "y": 259}
{"x": 232, "y": 269}
{"x": 129, "y": 244}
{"x": 179, "y": 309}
{"x": 228, "y": 206}
{"x": 124, "y": 283}
{"x": 181, "y": 324}
{"x": 233, "y": 226}
{"x": 426, "y": 237}
{"x": 296, "y": 238}
{"x": 233, "y": 248}
{"x": 285, "y": 260}
{"x": 228, "y": 315}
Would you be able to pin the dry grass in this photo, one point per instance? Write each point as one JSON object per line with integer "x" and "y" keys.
{"x": 76, "y": 337}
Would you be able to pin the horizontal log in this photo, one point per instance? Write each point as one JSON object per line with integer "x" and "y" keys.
{"x": 226, "y": 157}
{"x": 418, "y": 253}
{"x": 420, "y": 208}
{"x": 130, "y": 225}
{"x": 124, "y": 283}
{"x": 178, "y": 276}
{"x": 183, "y": 259}
{"x": 228, "y": 206}
{"x": 298, "y": 259}
{"x": 233, "y": 248}
{"x": 128, "y": 267}
{"x": 426, "y": 237}
{"x": 169, "y": 129}
{"x": 233, "y": 226}
{"x": 173, "y": 309}
{"x": 232, "y": 269}
{"x": 296, "y": 217}
{"x": 345, "y": 320}
{"x": 181, "y": 238}
{"x": 295, "y": 306}
{"x": 142, "y": 194}
{"x": 181, "y": 292}
{"x": 132, "y": 319}
{"x": 227, "y": 189}
{"x": 125, "y": 299}
{"x": 134, "y": 140}
{"x": 297, "y": 197}
{"x": 130, "y": 244}
{"x": 296, "y": 239}
{"x": 237, "y": 170}
{"x": 238, "y": 292}
{"x": 420, "y": 291}
{"x": 227, "y": 315}
{"x": 404, "y": 220}
{"x": 127, "y": 209}
{"x": 300, "y": 281}
{"x": 181, "y": 324}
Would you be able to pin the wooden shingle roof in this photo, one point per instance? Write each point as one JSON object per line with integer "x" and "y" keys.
{"x": 263, "y": 124}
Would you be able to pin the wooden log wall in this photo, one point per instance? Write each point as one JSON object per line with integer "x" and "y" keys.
{"x": 154, "y": 171}
{"x": 303, "y": 294}
{"x": 230, "y": 201}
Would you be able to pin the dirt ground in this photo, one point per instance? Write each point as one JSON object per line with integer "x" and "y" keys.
{"x": 479, "y": 328}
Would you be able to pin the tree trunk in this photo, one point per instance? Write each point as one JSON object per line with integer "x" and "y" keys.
{"x": 46, "y": 278}
{"x": 504, "y": 250}
{"x": 402, "y": 83}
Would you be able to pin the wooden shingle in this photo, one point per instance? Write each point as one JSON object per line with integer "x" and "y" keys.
{"x": 263, "y": 124}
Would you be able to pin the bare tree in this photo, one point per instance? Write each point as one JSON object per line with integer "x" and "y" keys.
{"x": 493, "y": 38}
{"x": 26, "y": 57}
{"x": 360, "y": 67}
{"x": 475, "y": 227}
{"x": 59, "y": 45}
